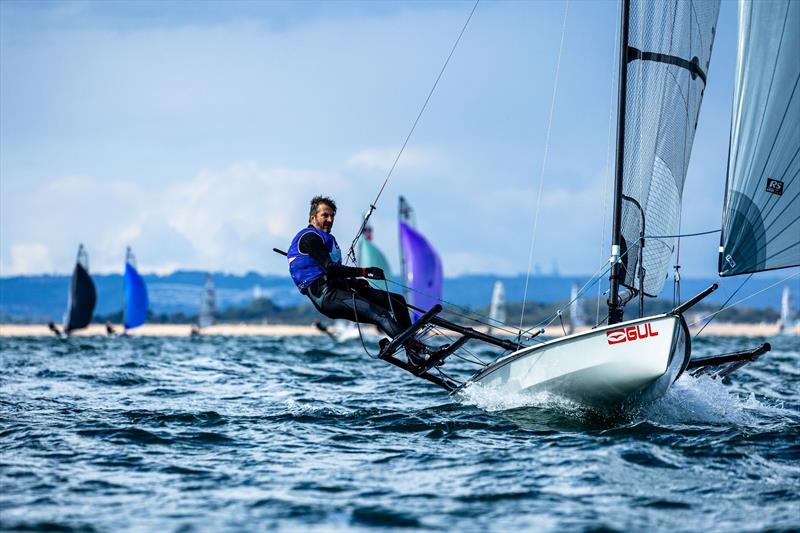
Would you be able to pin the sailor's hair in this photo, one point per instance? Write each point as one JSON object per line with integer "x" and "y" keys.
{"x": 316, "y": 201}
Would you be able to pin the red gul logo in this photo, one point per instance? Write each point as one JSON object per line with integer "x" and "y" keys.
{"x": 631, "y": 333}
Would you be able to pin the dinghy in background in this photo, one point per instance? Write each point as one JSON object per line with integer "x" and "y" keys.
{"x": 135, "y": 290}
{"x": 82, "y": 295}
{"x": 369, "y": 255}
{"x": 421, "y": 266}
{"x": 497, "y": 307}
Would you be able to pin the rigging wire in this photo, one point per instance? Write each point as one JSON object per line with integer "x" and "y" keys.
{"x": 476, "y": 361}
{"x": 734, "y": 304}
{"x": 723, "y": 305}
{"x": 679, "y": 235}
{"x": 351, "y": 253}
{"x": 607, "y": 177}
{"x": 544, "y": 163}
{"x": 602, "y": 271}
{"x": 465, "y": 313}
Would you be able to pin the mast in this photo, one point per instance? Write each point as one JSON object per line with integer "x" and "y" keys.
{"x": 615, "y": 306}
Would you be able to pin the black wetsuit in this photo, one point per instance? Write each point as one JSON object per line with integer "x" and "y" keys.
{"x": 337, "y": 294}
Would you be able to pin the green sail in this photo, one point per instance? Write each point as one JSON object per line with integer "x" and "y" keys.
{"x": 370, "y": 256}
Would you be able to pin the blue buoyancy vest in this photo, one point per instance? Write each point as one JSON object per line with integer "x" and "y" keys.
{"x": 303, "y": 269}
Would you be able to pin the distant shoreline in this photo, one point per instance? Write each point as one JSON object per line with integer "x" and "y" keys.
{"x": 289, "y": 330}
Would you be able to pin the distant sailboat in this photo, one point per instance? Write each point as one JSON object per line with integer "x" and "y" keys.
{"x": 576, "y": 316}
{"x": 82, "y": 295}
{"x": 422, "y": 267}
{"x": 136, "y": 301}
{"x": 208, "y": 304}
{"x": 788, "y": 323}
{"x": 369, "y": 255}
{"x": 497, "y": 309}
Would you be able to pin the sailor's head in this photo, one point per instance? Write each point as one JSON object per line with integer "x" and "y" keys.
{"x": 322, "y": 212}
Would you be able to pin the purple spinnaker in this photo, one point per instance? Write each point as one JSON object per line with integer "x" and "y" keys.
{"x": 423, "y": 270}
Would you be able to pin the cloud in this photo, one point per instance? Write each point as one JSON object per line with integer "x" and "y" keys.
{"x": 234, "y": 217}
{"x": 29, "y": 257}
{"x": 227, "y": 219}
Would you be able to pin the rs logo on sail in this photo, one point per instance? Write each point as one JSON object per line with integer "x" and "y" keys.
{"x": 631, "y": 333}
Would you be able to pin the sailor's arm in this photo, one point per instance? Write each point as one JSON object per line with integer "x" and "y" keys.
{"x": 311, "y": 244}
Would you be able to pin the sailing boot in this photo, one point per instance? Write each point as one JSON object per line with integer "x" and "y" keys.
{"x": 415, "y": 351}
{"x": 382, "y": 344}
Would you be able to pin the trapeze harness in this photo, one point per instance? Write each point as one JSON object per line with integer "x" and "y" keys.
{"x": 315, "y": 264}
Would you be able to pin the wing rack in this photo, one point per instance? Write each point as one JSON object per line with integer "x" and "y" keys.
{"x": 436, "y": 358}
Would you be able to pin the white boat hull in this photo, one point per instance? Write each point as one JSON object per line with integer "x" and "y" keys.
{"x": 632, "y": 361}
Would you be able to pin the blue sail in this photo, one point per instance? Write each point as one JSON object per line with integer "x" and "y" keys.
{"x": 135, "y": 295}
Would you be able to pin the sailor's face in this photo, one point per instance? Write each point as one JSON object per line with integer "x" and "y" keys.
{"x": 323, "y": 220}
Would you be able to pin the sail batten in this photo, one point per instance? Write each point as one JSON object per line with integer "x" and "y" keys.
{"x": 761, "y": 218}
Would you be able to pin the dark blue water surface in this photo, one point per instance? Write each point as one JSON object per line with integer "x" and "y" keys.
{"x": 244, "y": 433}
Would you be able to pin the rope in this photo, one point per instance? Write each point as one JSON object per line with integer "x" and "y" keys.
{"x": 351, "y": 254}
{"x": 476, "y": 361}
{"x": 474, "y": 317}
{"x": 358, "y": 325}
{"x": 389, "y": 297}
{"x": 723, "y": 305}
{"x": 709, "y": 232}
{"x": 734, "y": 304}
{"x": 544, "y": 164}
{"x": 602, "y": 271}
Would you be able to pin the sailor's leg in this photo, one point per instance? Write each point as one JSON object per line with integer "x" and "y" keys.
{"x": 341, "y": 303}
{"x": 381, "y": 298}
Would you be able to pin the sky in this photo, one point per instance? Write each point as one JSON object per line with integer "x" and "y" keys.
{"x": 196, "y": 132}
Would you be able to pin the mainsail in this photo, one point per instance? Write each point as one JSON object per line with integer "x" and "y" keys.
{"x": 422, "y": 268}
{"x": 761, "y": 222}
{"x": 82, "y": 295}
{"x": 370, "y": 255}
{"x": 136, "y": 303}
{"x": 666, "y": 46}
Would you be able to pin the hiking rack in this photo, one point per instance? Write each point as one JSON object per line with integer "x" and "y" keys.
{"x": 438, "y": 356}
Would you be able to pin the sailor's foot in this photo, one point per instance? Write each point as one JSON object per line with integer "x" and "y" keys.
{"x": 437, "y": 352}
{"x": 415, "y": 358}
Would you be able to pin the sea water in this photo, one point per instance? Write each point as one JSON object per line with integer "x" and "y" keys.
{"x": 258, "y": 433}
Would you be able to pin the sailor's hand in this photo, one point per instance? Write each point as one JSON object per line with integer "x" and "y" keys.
{"x": 374, "y": 273}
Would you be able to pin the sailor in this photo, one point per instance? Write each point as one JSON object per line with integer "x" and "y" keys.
{"x": 52, "y": 327}
{"x": 315, "y": 263}
{"x": 323, "y": 329}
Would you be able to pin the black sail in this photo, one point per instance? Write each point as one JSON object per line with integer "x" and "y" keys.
{"x": 82, "y": 295}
